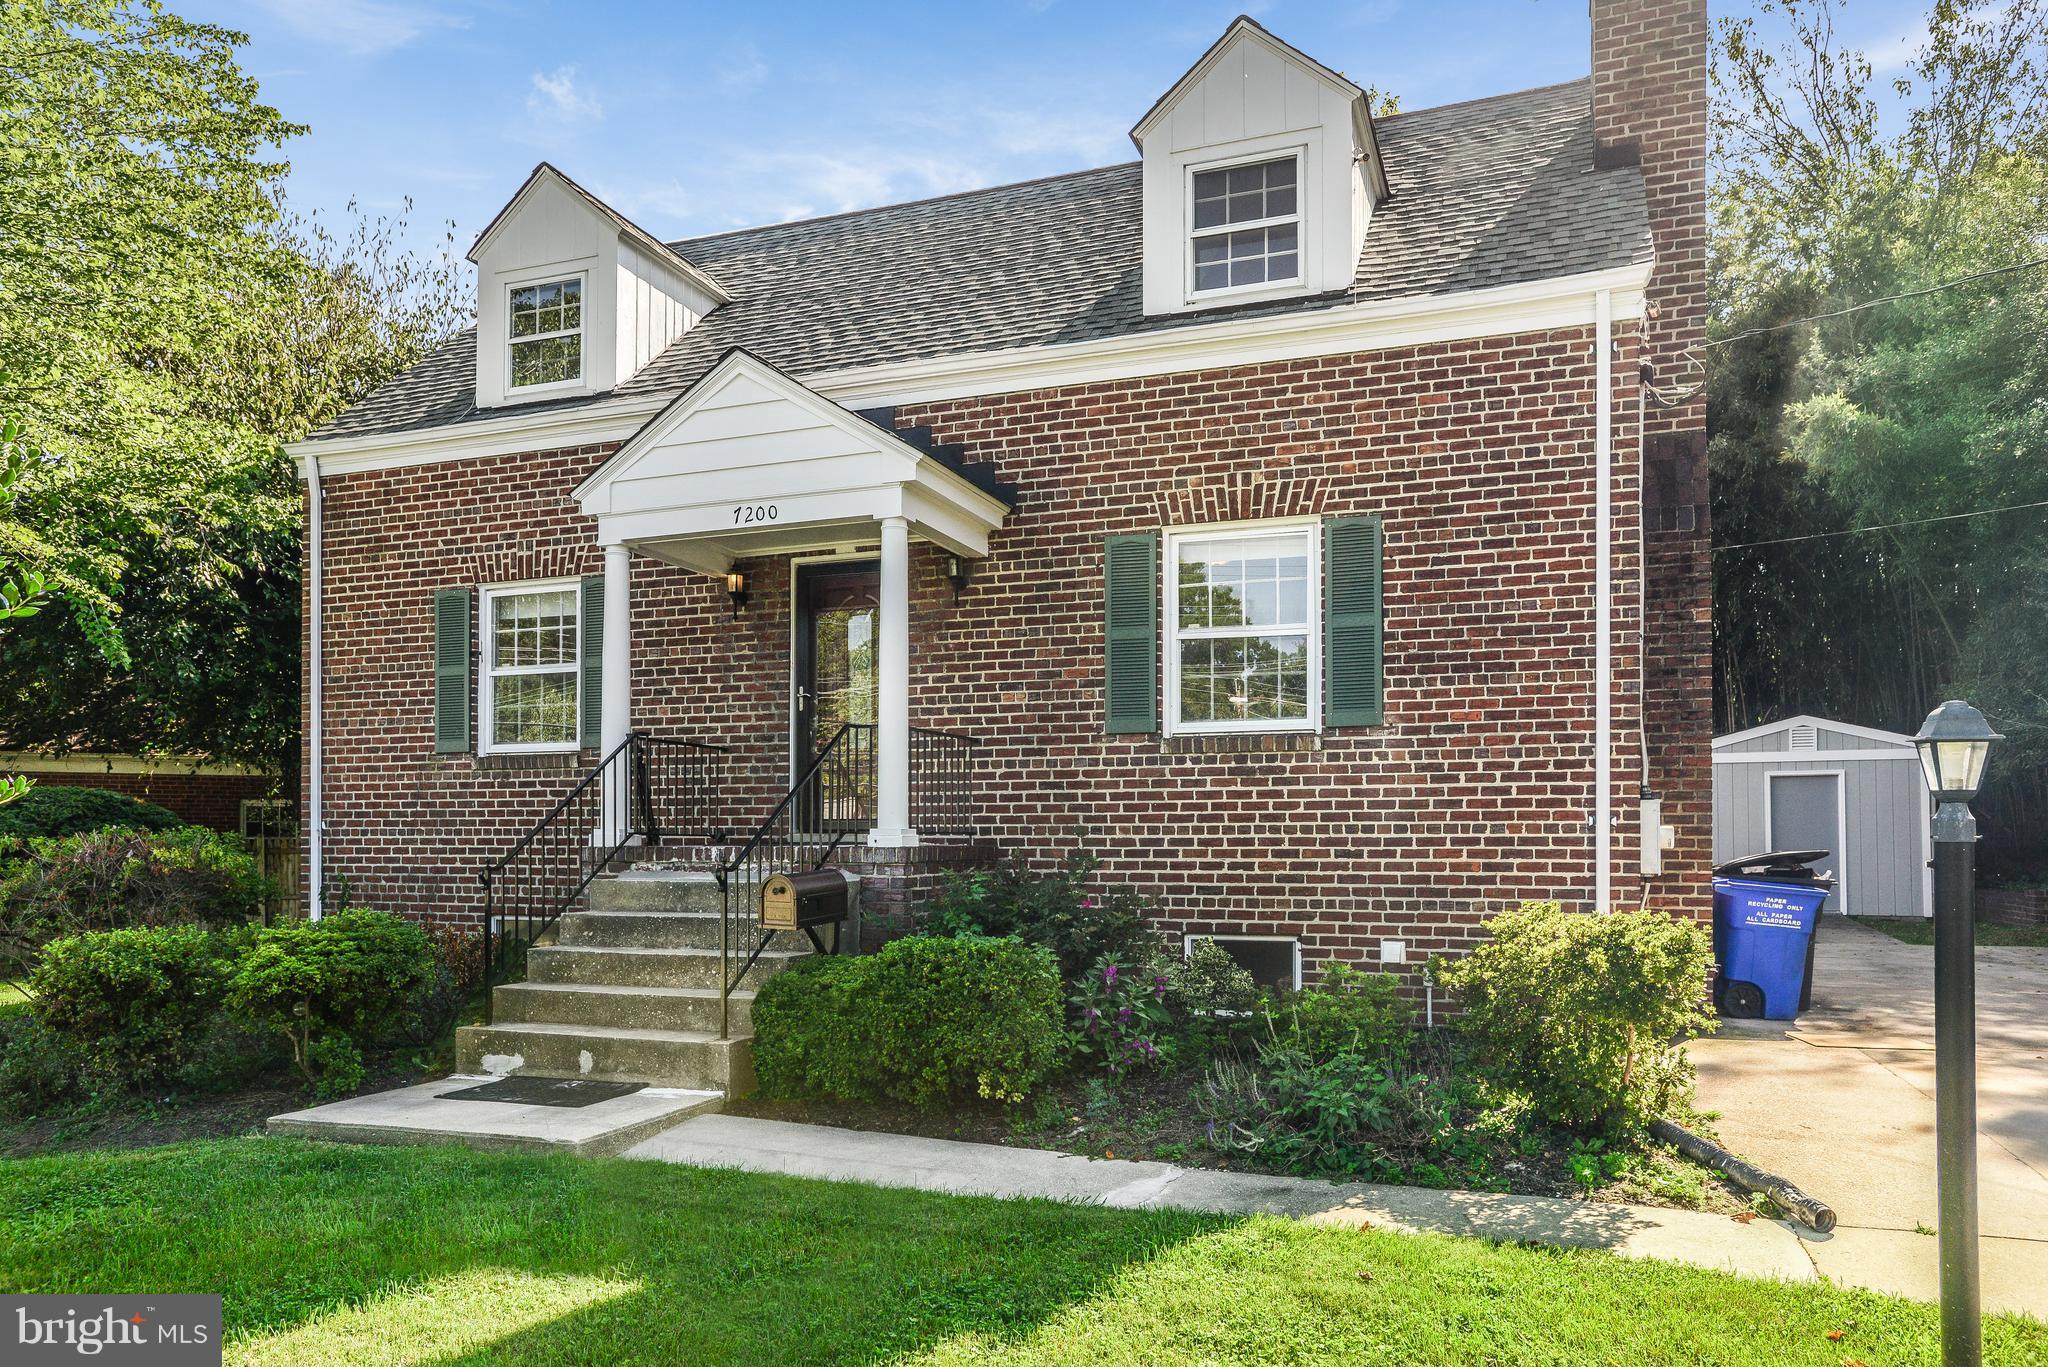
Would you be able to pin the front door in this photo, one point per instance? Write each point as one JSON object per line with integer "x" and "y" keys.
{"x": 838, "y": 616}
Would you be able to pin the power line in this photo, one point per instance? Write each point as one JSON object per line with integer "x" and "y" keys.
{"x": 1884, "y": 527}
{"x": 1873, "y": 303}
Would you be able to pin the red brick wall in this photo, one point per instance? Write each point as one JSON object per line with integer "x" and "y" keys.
{"x": 1475, "y": 793}
{"x": 213, "y": 800}
{"x": 1650, "y": 108}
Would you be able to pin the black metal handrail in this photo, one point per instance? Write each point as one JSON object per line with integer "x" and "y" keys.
{"x": 941, "y": 782}
{"x": 647, "y": 789}
{"x": 793, "y": 835}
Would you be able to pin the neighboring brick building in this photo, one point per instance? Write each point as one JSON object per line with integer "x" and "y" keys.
{"x": 1240, "y": 502}
{"x": 201, "y": 791}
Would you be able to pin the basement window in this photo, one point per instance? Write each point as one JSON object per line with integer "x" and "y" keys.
{"x": 1247, "y": 225}
{"x": 1274, "y": 960}
{"x": 546, "y": 333}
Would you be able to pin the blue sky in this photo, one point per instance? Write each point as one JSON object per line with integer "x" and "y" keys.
{"x": 697, "y": 117}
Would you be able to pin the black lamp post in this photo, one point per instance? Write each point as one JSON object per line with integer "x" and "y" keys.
{"x": 1955, "y": 742}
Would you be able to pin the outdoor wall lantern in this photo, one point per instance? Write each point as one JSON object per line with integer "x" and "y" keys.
{"x": 1955, "y": 741}
{"x": 736, "y": 590}
{"x": 959, "y": 569}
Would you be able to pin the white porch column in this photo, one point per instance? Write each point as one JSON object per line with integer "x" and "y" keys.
{"x": 615, "y": 717}
{"x": 892, "y": 708}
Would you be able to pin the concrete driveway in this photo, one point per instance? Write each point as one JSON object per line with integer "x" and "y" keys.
{"x": 1842, "y": 1103}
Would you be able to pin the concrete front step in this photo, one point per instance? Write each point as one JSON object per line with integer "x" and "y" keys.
{"x": 659, "y": 930}
{"x": 425, "y": 1115}
{"x": 695, "y": 1059}
{"x": 625, "y": 966}
{"x": 633, "y": 1008}
{"x": 658, "y": 890}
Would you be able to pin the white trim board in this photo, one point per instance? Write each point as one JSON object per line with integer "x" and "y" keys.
{"x": 1565, "y": 301}
{"x": 1806, "y": 756}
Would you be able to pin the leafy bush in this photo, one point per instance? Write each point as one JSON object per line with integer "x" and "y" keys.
{"x": 121, "y": 879}
{"x": 132, "y": 1002}
{"x": 50, "y": 810}
{"x": 1122, "y": 1012}
{"x": 1207, "y": 982}
{"x": 1349, "y": 1114}
{"x": 1584, "y": 1013}
{"x": 1056, "y": 909}
{"x": 924, "y": 1020}
{"x": 356, "y": 974}
{"x": 1350, "y": 1011}
{"x": 39, "y": 1070}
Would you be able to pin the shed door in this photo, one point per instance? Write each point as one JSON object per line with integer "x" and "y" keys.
{"x": 1806, "y": 814}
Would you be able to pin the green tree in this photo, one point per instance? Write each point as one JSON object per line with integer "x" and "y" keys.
{"x": 166, "y": 323}
{"x": 1929, "y": 407}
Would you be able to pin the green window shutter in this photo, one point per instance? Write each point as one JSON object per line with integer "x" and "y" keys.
{"x": 591, "y": 662}
{"x": 1131, "y": 634}
{"x": 1352, "y": 665}
{"x": 451, "y": 671}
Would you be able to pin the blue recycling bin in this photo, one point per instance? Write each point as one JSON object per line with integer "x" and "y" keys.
{"x": 1763, "y": 938}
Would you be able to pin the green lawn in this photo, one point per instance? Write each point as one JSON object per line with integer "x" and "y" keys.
{"x": 1919, "y": 930}
{"x": 335, "y": 1255}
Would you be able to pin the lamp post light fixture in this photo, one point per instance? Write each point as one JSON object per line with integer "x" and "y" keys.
{"x": 1954, "y": 743}
{"x": 736, "y": 590}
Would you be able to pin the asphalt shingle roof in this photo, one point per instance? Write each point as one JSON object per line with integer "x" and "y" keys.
{"x": 1490, "y": 192}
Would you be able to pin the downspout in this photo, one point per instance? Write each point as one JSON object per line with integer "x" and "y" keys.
{"x": 315, "y": 827}
{"x": 1603, "y": 603}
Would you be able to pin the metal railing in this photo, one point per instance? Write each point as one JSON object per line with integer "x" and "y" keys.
{"x": 648, "y": 789}
{"x": 794, "y": 836}
{"x": 941, "y": 782}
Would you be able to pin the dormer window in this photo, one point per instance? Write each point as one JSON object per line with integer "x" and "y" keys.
{"x": 546, "y": 327}
{"x": 1247, "y": 225}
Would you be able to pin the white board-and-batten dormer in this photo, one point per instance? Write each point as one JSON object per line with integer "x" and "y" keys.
{"x": 573, "y": 298}
{"x": 1260, "y": 177}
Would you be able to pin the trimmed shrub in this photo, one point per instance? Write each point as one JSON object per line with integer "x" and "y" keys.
{"x": 338, "y": 983}
{"x": 50, "y": 810}
{"x": 1350, "y": 1011}
{"x": 133, "y": 1003}
{"x": 1056, "y": 909}
{"x": 121, "y": 879}
{"x": 1584, "y": 1013}
{"x": 924, "y": 1020}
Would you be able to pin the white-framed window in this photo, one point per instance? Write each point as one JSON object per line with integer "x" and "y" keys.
{"x": 544, "y": 333}
{"x": 532, "y": 637}
{"x": 1245, "y": 222}
{"x": 1243, "y": 618}
{"x": 1274, "y": 960}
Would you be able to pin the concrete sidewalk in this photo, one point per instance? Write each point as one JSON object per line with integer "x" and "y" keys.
{"x": 1760, "y": 1248}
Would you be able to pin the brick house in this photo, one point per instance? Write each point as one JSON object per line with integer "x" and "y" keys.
{"x": 1310, "y": 514}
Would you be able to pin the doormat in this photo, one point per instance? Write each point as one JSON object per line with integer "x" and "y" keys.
{"x": 567, "y": 1092}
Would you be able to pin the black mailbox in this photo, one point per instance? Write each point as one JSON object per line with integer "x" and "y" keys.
{"x": 798, "y": 901}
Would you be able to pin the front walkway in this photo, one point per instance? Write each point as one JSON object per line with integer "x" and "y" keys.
{"x": 1759, "y": 1248}
{"x": 1842, "y": 1104}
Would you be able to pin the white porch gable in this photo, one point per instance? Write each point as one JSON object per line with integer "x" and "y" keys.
{"x": 749, "y": 462}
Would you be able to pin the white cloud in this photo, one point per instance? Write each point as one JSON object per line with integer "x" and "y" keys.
{"x": 1896, "y": 53}
{"x": 555, "y": 93}
{"x": 362, "y": 28}
{"x": 741, "y": 67}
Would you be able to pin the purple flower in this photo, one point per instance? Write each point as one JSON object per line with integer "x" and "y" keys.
{"x": 1109, "y": 973}
{"x": 1087, "y": 904}
{"x": 1123, "y": 1016}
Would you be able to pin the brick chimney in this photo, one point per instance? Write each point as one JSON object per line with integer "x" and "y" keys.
{"x": 1650, "y": 109}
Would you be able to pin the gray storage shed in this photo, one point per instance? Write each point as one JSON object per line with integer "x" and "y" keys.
{"x": 1807, "y": 783}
